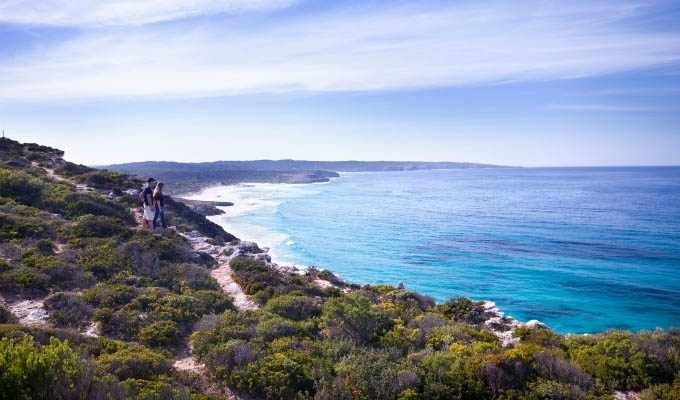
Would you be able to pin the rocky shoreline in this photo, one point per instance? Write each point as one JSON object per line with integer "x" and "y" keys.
{"x": 204, "y": 207}
{"x": 495, "y": 320}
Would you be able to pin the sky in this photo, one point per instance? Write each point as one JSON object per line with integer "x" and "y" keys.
{"x": 530, "y": 83}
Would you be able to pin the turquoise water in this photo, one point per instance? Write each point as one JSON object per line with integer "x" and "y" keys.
{"x": 581, "y": 249}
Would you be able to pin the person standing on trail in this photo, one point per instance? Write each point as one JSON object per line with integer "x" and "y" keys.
{"x": 149, "y": 210}
{"x": 159, "y": 201}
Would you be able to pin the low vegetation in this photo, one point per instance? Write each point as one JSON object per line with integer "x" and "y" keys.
{"x": 78, "y": 251}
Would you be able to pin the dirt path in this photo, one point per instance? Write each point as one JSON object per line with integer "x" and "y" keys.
{"x": 222, "y": 254}
{"x": 28, "y": 312}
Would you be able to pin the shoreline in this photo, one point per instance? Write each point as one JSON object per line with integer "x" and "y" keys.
{"x": 291, "y": 241}
{"x": 497, "y": 322}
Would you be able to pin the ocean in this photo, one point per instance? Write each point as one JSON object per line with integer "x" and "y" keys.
{"x": 583, "y": 250}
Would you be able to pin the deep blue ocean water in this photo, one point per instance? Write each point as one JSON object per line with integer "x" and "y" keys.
{"x": 581, "y": 249}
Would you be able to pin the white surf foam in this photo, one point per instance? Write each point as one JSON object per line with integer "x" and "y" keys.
{"x": 251, "y": 200}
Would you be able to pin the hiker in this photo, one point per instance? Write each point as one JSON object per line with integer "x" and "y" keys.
{"x": 159, "y": 201}
{"x": 149, "y": 211}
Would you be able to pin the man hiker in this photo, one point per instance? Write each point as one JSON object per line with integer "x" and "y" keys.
{"x": 149, "y": 209}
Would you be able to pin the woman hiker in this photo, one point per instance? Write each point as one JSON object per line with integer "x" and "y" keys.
{"x": 147, "y": 197}
{"x": 159, "y": 201}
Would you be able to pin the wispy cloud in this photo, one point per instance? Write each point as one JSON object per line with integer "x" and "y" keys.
{"x": 358, "y": 48}
{"x": 612, "y": 107}
{"x": 122, "y": 12}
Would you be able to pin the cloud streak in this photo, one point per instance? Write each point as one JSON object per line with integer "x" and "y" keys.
{"x": 352, "y": 49}
{"x": 122, "y": 12}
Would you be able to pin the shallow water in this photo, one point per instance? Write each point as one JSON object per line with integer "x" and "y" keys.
{"x": 581, "y": 249}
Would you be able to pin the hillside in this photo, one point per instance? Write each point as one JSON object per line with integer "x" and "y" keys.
{"x": 94, "y": 307}
{"x": 186, "y": 177}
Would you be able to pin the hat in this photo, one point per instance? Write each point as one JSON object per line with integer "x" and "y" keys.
{"x": 151, "y": 180}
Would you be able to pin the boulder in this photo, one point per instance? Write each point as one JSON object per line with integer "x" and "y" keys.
{"x": 534, "y": 323}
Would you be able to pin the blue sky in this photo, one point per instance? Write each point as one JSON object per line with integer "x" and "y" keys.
{"x": 533, "y": 83}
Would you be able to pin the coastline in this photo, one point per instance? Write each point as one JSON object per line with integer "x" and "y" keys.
{"x": 554, "y": 275}
{"x": 501, "y": 325}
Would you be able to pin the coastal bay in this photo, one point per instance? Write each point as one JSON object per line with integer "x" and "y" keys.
{"x": 581, "y": 249}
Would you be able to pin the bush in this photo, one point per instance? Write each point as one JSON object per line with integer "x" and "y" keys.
{"x": 662, "y": 392}
{"x": 280, "y": 376}
{"x": 51, "y": 371}
{"x": 97, "y": 226}
{"x": 367, "y": 374}
{"x": 6, "y": 316}
{"x": 68, "y": 310}
{"x": 124, "y": 324}
{"x": 46, "y": 247}
{"x": 163, "y": 333}
{"x": 18, "y": 227}
{"x": 274, "y": 327}
{"x": 106, "y": 180}
{"x": 297, "y": 308}
{"x": 133, "y": 362}
{"x": 616, "y": 362}
{"x": 224, "y": 358}
{"x": 23, "y": 279}
{"x": 351, "y": 316}
{"x": 450, "y": 376}
{"x": 79, "y": 204}
{"x": 442, "y": 336}
{"x": 233, "y": 325}
{"x": 21, "y": 187}
{"x": 462, "y": 309}
{"x": 71, "y": 169}
{"x": 543, "y": 337}
{"x": 557, "y": 368}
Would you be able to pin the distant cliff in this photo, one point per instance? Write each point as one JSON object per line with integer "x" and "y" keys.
{"x": 187, "y": 177}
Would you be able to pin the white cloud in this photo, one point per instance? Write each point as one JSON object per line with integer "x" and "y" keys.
{"x": 364, "y": 48}
{"x": 122, "y": 12}
{"x": 611, "y": 107}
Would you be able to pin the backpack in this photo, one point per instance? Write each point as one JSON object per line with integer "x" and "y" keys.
{"x": 141, "y": 196}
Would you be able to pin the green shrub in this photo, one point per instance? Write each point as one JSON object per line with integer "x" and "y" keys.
{"x": 124, "y": 323}
{"x": 450, "y": 376}
{"x": 462, "y": 309}
{"x": 100, "y": 259}
{"x": 212, "y": 302}
{"x": 68, "y": 310}
{"x": 163, "y": 333}
{"x": 273, "y": 327}
{"x": 224, "y": 358}
{"x": 46, "y": 247}
{"x": 97, "y": 226}
{"x": 71, "y": 169}
{"x": 297, "y": 308}
{"x": 21, "y": 187}
{"x": 107, "y": 180}
{"x": 351, "y": 316}
{"x": 233, "y": 325}
{"x": 367, "y": 375}
{"x": 18, "y": 227}
{"x": 23, "y": 279}
{"x": 52, "y": 371}
{"x": 617, "y": 362}
{"x": 663, "y": 391}
{"x": 111, "y": 296}
{"x": 443, "y": 336}
{"x": 543, "y": 337}
{"x": 133, "y": 362}
{"x": 279, "y": 376}
{"x": 79, "y": 204}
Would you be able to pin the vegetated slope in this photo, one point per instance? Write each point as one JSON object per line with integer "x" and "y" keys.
{"x": 314, "y": 336}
